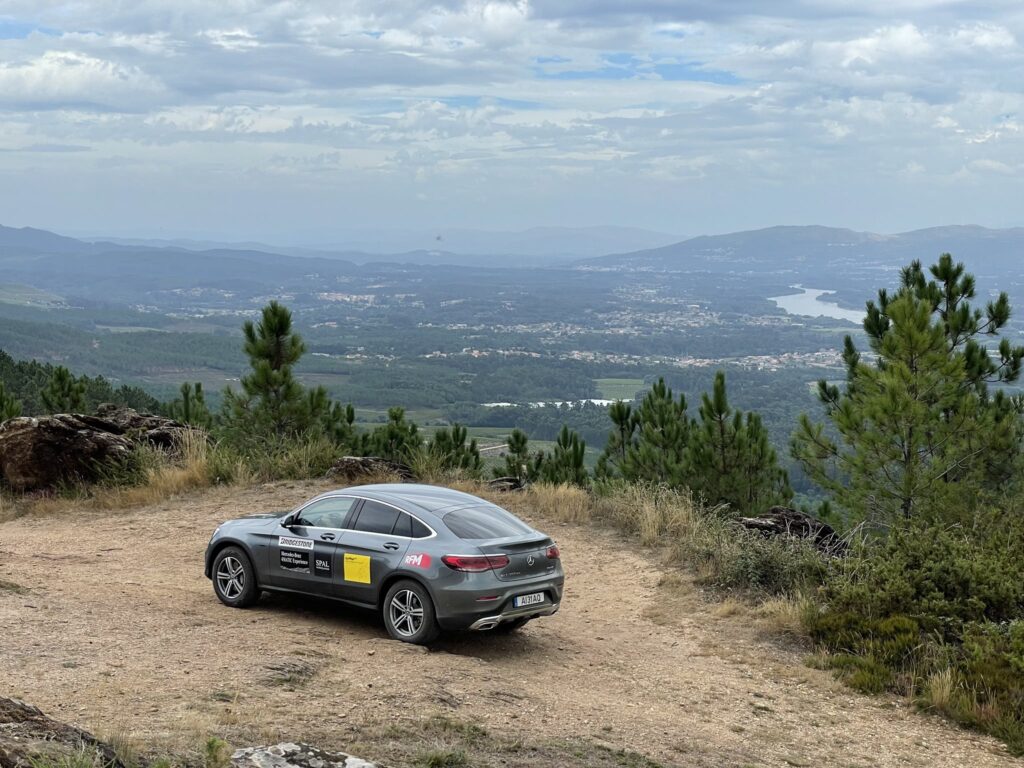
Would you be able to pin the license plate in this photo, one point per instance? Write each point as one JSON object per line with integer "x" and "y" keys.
{"x": 532, "y": 599}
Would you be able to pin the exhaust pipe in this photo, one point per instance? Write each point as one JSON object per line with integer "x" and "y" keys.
{"x": 484, "y": 624}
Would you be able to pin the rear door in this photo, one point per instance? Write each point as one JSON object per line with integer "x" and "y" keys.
{"x": 304, "y": 557}
{"x": 373, "y": 547}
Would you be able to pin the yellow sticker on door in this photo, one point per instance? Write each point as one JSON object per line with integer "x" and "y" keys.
{"x": 357, "y": 568}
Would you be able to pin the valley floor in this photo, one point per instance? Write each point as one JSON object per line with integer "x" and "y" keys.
{"x": 117, "y": 630}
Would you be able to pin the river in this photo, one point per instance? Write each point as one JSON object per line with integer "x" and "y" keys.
{"x": 809, "y": 303}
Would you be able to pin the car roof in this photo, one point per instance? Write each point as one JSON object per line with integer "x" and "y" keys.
{"x": 430, "y": 498}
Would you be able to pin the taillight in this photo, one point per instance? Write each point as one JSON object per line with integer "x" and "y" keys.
{"x": 553, "y": 552}
{"x": 475, "y": 563}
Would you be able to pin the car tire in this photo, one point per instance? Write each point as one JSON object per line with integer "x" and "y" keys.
{"x": 234, "y": 578}
{"x": 409, "y": 613}
{"x": 508, "y": 627}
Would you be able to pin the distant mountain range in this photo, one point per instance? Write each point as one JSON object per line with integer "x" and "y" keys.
{"x": 815, "y": 248}
{"x": 540, "y": 244}
{"x": 797, "y": 250}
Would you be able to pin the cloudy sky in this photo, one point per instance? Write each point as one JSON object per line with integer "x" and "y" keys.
{"x": 295, "y": 121}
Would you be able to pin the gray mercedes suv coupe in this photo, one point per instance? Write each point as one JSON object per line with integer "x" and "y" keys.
{"x": 428, "y": 558}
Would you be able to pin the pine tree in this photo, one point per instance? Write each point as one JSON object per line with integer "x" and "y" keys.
{"x": 518, "y": 462}
{"x": 450, "y": 448}
{"x": 919, "y": 434}
{"x": 191, "y": 408}
{"x": 336, "y": 420}
{"x": 731, "y": 460}
{"x": 659, "y": 452}
{"x": 395, "y": 440}
{"x": 10, "y": 408}
{"x": 565, "y": 464}
{"x": 622, "y": 436}
{"x": 63, "y": 393}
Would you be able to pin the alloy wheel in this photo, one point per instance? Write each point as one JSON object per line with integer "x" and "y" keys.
{"x": 230, "y": 577}
{"x": 406, "y": 613}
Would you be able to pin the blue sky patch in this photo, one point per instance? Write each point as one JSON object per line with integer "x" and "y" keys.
{"x": 625, "y": 66}
{"x": 13, "y": 29}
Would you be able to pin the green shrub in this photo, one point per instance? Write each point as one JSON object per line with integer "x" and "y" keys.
{"x": 216, "y": 753}
{"x": 942, "y": 578}
{"x": 774, "y": 565}
{"x": 936, "y": 613}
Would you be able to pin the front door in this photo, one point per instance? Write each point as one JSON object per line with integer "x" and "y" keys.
{"x": 304, "y": 556}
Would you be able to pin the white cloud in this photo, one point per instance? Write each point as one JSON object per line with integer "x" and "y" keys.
{"x": 60, "y": 78}
{"x": 632, "y": 111}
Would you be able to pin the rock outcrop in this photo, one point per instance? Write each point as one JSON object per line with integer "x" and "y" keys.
{"x": 41, "y": 452}
{"x": 149, "y": 427}
{"x": 783, "y": 521}
{"x": 352, "y": 468}
{"x": 26, "y": 734}
{"x": 289, "y": 755}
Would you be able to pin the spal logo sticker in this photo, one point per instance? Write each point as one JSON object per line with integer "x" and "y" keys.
{"x": 418, "y": 561}
{"x": 293, "y": 543}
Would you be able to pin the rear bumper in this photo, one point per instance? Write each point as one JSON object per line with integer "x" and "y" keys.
{"x": 490, "y": 622}
{"x": 482, "y": 602}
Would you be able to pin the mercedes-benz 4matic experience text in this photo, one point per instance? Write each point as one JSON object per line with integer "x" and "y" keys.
{"x": 429, "y": 558}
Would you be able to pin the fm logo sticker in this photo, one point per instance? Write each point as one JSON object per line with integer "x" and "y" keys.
{"x": 418, "y": 561}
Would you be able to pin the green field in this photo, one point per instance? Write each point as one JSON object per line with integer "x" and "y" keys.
{"x": 26, "y": 295}
{"x": 619, "y": 389}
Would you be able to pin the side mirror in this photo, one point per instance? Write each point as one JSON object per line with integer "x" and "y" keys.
{"x": 288, "y": 521}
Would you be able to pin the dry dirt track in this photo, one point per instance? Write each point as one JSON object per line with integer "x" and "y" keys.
{"x": 119, "y": 631}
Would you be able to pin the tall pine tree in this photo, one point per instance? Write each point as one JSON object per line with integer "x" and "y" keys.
{"x": 659, "y": 452}
{"x": 916, "y": 432}
{"x": 63, "y": 393}
{"x": 731, "y": 460}
{"x": 10, "y": 407}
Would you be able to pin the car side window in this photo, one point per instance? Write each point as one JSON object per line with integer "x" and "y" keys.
{"x": 419, "y": 530}
{"x": 326, "y": 513}
{"x": 403, "y": 526}
{"x": 375, "y": 517}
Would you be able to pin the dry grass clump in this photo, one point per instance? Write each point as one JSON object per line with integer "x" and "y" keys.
{"x": 941, "y": 689}
{"x": 564, "y": 503}
{"x": 657, "y": 515}
{"x": 788, "y": 615}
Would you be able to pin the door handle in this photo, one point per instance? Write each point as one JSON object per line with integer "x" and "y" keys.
{"x": 327, "y": 536}
{"x": 391, "y": 545}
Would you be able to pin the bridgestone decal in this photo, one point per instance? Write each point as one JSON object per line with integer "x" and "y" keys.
{"x": 293, "y": 543}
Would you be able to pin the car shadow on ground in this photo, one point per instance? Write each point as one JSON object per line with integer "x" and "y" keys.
{"x": 487, "y": 646}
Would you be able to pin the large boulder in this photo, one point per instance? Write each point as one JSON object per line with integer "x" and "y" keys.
{"x": 38, "y": 453}
{"x": 160, "y": 431}
{"x": 288, "y": 755}
{"x": 784, "y": 521}
{"x": 27, "y": 736}
{"x": 42, "y": 452}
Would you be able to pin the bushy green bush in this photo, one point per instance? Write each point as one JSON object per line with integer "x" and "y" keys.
{"x": 942, "y": 577}
{"x": 748, "y": 560}
{"x": 936, "y": 613}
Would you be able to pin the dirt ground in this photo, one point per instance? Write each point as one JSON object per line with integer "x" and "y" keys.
{"x": 116, "y": 629}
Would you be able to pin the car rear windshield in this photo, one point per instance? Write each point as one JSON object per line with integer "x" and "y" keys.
{"x": 484, "y": 522}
